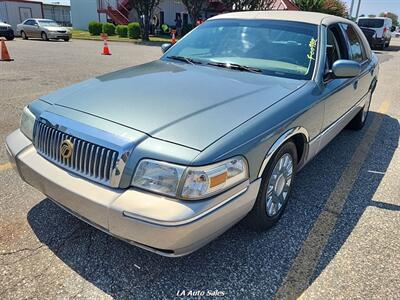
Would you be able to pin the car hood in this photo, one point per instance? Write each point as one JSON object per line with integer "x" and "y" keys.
{"x": 4, "y": 24}
{"x": 184, "y": 104}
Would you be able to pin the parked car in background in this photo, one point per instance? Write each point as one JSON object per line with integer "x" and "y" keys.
{"x": 6, "y": 31}
{"x": 242, "y": 103}
{"x": 382, "y": 31}
{"x": 45, "y": 29}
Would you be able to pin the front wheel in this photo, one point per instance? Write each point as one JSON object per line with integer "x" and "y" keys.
{"x": 276, "y": 187}
{"x": 10, "y": 37}
{"x": 66, "y": 39}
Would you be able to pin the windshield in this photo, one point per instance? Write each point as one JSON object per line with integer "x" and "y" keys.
{"x": 371, "y": 23}
{"x": 49, "y": 23}
{"x": 278, "y": 48}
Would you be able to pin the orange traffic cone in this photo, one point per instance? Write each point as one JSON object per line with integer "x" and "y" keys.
{"x": 5, "y": 56}
{"x": 106, "y": 50}
{"x": 173, "y": 41}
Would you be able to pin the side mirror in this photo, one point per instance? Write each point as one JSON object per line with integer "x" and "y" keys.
{"x": 346, "y": 68}
{"x": 165, "y": 47}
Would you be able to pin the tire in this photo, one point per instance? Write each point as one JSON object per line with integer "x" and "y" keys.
{"x": 23, "y": 35}
{"x": 387, "y": 44}
{"x": 66, "y": 40}
{"x": 360, "y": 119}
{"x": 10, "y": 37}
{"x": 264, "y": 214}
{"x": 44, "y": 36}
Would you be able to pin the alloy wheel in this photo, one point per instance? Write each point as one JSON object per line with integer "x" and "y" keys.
{"x": 279, "y": 185}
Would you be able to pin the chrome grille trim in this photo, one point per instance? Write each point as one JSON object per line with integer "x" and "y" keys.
{"x": 87, "y": 160}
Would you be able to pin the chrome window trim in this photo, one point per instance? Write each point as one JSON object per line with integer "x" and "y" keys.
{"x": 92, "y": 135}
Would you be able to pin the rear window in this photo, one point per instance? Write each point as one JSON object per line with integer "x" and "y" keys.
{"x": 371, "y": 23}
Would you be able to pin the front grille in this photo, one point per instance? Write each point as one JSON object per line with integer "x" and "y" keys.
{"x": 61, "y": 31}
{"x": 89, "y": 160}
{"x": 3, "y": 28}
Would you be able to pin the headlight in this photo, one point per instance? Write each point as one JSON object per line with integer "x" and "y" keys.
{"x": 190, "y": 183}
{"x": 27, "y": 123}
{"x": 203, "y": 182}
{"x": 158, "y": 177}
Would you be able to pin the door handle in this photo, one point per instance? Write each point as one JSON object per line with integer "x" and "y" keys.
{"x": 355, "y": 84}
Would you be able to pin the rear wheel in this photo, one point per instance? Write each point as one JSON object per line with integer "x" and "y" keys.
{"x": 359, "y": 120}
{"x": 23, "y": 35}
{"x": 44, "y": 36}
{"x": 276, "y": 187}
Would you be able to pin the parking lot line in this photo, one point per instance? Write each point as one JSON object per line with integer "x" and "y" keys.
{"x": 298, "y": 278}
{"x": 5, "y": 167}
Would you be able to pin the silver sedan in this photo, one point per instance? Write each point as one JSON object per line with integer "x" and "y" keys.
{"x": 45, "y": 29}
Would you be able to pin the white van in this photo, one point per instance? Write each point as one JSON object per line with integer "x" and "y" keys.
{"x": 383, "y": 28}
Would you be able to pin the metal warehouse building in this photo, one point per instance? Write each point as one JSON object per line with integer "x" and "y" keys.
{"x": 15, "y": 11}
{"x": 57, "y": 12}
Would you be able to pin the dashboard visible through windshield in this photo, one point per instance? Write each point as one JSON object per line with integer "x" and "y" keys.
{"x": 278, "y": 48}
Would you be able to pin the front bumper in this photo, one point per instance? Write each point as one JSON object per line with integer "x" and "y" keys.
{"x": 376, "y": 42}
{"x": 58, "y": 35}
{"x": 7, "y": 33}
{"x": 163, "y": 225}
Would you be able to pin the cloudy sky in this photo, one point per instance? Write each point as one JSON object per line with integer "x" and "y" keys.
{"x": 376, "y": 6}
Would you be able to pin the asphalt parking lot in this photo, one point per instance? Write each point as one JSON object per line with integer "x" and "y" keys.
{"x": 339, "y": 237}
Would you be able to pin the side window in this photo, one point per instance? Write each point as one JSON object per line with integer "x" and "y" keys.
{"x": 335, "y": 47}
{"x": 332, "y": 50}
{"x": 356, "y": 49}
{"x": 30, "y": 22}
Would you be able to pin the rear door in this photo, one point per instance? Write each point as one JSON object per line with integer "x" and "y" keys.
{"x": 28, "y": 28}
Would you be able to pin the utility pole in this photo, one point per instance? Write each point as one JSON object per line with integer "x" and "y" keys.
{"x": 351, "y": 9}
{"x": 358, "y": 9}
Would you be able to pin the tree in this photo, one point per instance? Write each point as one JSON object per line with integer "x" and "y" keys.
{"x": 371, "y": 16}
{"x": 393, "y": 16}
{"x": 310, "y": 5}
{"x": 144, "y": 10}
{"x": 335, "y": 7}
{"x": 238, "y": 5}
{"x": 332, "y": 7}
{"x": 194, "y": 8}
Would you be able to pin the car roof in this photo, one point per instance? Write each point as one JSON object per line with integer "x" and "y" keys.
{"x": 296, "y": 16}
{"x": 379, "y": 18}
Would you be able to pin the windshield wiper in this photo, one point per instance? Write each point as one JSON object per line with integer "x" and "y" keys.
{"x": 185, "y": 59}
{"x": 234, "y": 66}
